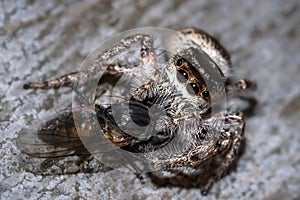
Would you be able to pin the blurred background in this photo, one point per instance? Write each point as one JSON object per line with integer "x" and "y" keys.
{"x": 44, "y": 39}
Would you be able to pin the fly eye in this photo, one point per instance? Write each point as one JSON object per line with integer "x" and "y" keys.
{"x": 205, "y": 94}
{"x": 179, "y": 62}
{"x": 193, "y": 88}
{"x": 182, "y": 76}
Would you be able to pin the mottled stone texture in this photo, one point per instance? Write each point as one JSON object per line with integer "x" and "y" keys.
{"x": 42, "y": 39}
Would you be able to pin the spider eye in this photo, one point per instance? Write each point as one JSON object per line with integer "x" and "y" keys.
{"x": 193, "y": 88}
{"x": 205, "y": 94}
{"x": 182, "y": 76}
{"x": 179, "y": 62}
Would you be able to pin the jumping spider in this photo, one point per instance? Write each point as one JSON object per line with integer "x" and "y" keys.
{"x": 166, "y": 107}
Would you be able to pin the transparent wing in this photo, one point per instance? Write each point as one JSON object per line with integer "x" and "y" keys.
{"x": 47, "y": 144}
{"x": 59, "y": 137}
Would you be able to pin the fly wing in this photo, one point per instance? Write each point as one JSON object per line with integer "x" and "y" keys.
{"x": 59, "y": 137}
{"x": 48, "y": 144}
{"x": 56, "y": 138}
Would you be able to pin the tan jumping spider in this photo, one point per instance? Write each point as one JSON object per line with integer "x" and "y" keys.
{"x": 158, "y": 109}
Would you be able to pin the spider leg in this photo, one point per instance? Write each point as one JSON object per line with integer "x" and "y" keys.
{"x": 245, "y": 84}
{"x": 234, "y": 124}
{"x": 146, "y": 55}
{"x": 62, "y": 81}
{"x": 100, "y": 64}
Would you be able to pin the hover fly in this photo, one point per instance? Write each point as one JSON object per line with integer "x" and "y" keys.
{"x": 149, "y": 101}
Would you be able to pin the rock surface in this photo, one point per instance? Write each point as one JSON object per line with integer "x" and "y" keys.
{"x": 43, "y": 39}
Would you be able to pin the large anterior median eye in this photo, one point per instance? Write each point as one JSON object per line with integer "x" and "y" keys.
{"x": 193, "y": 88}
{"x": 182, "y": 76}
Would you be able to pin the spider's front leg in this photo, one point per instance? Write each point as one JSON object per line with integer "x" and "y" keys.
{"x": 66, "y": 80}
{"x": 102, "y": 63}
{"x": 233, "y": 129}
